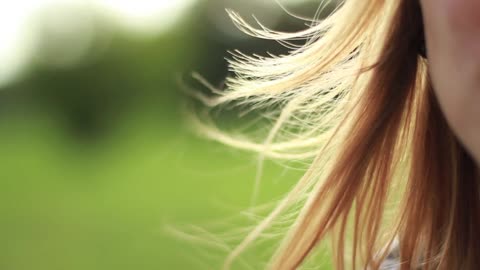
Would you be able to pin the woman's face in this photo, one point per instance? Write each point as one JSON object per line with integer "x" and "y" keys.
{"x": 452, "y": 29}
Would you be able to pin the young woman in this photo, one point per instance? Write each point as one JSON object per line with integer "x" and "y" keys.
{"x": 391, "y": 128}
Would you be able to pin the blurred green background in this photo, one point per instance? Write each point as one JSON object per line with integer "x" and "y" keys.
{"x": 96, "y": 156}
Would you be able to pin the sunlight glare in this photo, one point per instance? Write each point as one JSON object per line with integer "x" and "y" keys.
{"x": 18, "y": 31}
{"x": 146, "y": 16}
{"x": 16, "y": 37}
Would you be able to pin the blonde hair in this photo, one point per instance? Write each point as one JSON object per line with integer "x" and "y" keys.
{"x": 356, "y": 101}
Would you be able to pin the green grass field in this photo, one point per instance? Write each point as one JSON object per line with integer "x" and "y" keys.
{"x": 71, "y": 205}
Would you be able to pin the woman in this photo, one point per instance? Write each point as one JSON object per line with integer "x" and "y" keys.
{"x": 382, "y": 119}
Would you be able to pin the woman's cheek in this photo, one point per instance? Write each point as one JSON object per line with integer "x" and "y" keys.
{"x": 462, "y": 14}
{"x": 462, "y": 19}
{"x": 453, "y": 43}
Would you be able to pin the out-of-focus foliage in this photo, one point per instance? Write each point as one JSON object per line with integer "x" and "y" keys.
{"x": 96, "y": 158}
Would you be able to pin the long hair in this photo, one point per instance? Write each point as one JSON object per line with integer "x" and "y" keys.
{"x": 357, "y": 102}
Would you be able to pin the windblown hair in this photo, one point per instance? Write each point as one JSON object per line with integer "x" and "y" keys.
{"x": 359, "y": 98}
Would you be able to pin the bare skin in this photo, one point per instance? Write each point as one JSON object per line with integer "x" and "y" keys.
{"x": 452, "y": 29}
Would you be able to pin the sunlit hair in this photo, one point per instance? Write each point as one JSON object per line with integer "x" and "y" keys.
{"x": 357, "y": 102}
